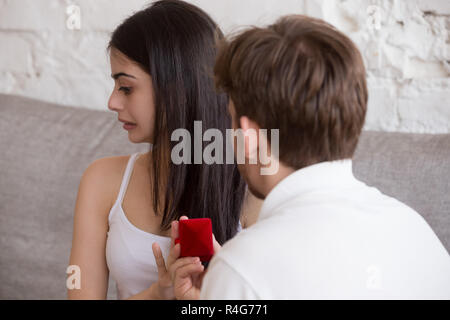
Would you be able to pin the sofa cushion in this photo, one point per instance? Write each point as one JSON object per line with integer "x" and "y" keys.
{"x": 413, "y": 168}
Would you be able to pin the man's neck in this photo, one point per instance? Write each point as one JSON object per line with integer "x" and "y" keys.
{"x": 271, "y": 181}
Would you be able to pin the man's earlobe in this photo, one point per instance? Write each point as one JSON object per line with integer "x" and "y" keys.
{"x": 243, "y": 123}
{"x": 250, "y": 130}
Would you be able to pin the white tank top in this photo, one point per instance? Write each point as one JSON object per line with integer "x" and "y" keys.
{"x": 129, "y": 254}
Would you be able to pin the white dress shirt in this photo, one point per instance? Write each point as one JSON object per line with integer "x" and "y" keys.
{"x": 322, "y": 234}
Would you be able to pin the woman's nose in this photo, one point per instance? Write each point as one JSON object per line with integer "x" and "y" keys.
{"x": 114, "y": 102}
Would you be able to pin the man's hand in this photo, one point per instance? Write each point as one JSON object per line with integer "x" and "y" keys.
{"x": 187, "y": 275}
{"x": 188, "y": 281}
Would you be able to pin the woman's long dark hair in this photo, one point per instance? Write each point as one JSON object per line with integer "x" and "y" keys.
{"x": 175, "y": 42}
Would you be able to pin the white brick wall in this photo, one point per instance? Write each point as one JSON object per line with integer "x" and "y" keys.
{"x": 405, "y": 44}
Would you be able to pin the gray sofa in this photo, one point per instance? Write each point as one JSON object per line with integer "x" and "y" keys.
{"x": 45, "y": 148}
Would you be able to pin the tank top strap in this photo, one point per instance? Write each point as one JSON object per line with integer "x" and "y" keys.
{"x": 126, "y": 176}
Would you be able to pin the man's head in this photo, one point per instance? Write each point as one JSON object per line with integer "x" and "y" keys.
{"x": 303, "y": 77}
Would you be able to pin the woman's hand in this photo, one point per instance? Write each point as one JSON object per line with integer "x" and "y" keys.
{"x": 164, "y": 286}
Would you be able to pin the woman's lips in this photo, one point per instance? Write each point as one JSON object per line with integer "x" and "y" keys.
{"x": 129, "y": 126}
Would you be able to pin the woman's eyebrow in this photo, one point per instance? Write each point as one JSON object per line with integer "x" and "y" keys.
{"x": 120, "y": 74}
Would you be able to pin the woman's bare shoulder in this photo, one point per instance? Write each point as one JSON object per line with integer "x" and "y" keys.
{"x": 110, "y": 163}
{"x": 105, "y": 175}
{"x": 109, "y": 166}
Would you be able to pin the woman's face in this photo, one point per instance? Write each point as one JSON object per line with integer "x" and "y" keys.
{"x": 132, "y": 97}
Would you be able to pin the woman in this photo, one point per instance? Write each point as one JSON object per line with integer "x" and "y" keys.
{"x": 161, "y": 60}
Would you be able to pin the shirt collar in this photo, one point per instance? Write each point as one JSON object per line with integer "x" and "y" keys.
{"x": 334, "y": 174}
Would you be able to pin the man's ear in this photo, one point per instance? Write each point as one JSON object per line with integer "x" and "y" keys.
{"x": 250, "y": 129}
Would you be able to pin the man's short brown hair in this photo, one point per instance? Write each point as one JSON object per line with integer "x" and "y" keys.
{"x": 303, "y": 77}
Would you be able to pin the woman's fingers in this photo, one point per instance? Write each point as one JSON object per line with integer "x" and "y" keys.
{"x": 159, "y": 259}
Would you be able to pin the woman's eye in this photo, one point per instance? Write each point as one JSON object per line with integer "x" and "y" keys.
{"x": 126, "y": 90}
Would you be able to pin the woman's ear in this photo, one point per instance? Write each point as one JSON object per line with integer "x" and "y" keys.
{"x": 250, "y": 130}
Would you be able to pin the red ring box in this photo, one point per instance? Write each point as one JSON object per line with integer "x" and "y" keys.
{"x": 195, "y": 238}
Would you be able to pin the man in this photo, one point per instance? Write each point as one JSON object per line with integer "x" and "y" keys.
{"x": 321, "y": 233}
